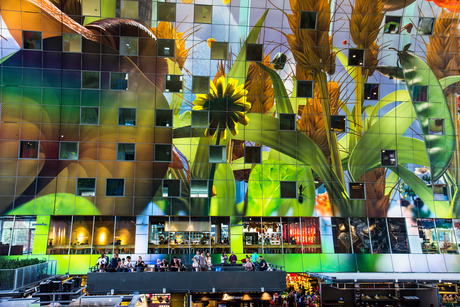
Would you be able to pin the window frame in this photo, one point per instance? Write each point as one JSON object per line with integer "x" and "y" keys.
{"x": 63, "y": 42}
{"x": 195, "y": 14}
{"x": 85, "y": 178}
{"x": 38, "y": 149}
{"x": 301, "y": 82}
{"x": 116, "y": 89}
{"x": 350, "y": 184}
{"x": 87, "y": 107}
{"x": 155, "y": 150}
{"x": 301, "y": 17}
{"x": 98, "y": 83}
{"x": 167, "y": 90}
{"x": 219, "y": 44}
{"x": 163, "y": 186}
{"x": 78, "y": 150}
{"x": 295, "y": 190}
{"x": 135, "y": 123}
{"x": 123, "y": 40}
{"x": 41, "y": 40}
{"x": 207, "y": 188}
{"x": 260, "y": 156}
{"x": 134, "y": 155}
{"x": 166, "y": 4}
{"x": 124, "y": 187}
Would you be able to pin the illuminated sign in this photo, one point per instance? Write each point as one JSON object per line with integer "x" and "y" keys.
{"x": 227, "y": 297}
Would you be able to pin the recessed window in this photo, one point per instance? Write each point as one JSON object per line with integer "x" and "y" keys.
{"x": 425, "y": 26}
{"x": 198, "y": 188}
{"x": 288, "y": 189}
{"x": 129, "y": 9}
{"x": 200, "y": 119}
{"x": 71, "y": 42}
{"x": 388, "y": 158}
{"x": 287, "y": 121}
{"x": 392, "y": 24}
{"x": 126, "y": 117}
{"x": 91, "y": 7}
{"x": 200, "y": 85}
{"x": 115, "y": 187}
{"x": 371, "y": 91}
{"x": 89, "y": 116}
{"x": 436, "y": 126}
{"x": 90, "y": 79}
{"x": 126, "y": 152}
{"x": 355, "y": 57}
{"x": 217, "y": 154}
{"x": 32, "y": 40}
{"x": 171, "y": 188}
{"x": 28, "y": 150}
{"x": 163, "y": 152}
{"x": 254, "y": 52}
{"x": 119, "y": 81}
{"x": 166, "y": 11}
{"x": 163, "y": 118}
{"x": 304, "y": 89}
{"x": 252, "y": 154}
{"x": 338, "y": 123}
{"x": 308, "y": 20}
{"x": 86, "y": 187}
{"x": 173, "y": 84}
{"x": 129, "y": 46}
{"x": 420, "y": 93}
{"x": 68, "y": 150}
{"x": 356, "y": 190}
{"x": 203, "y": 13}
{"x": 219, "y": 51}
{"x": 166, "y": 47}
{"x": 440, "y": 192}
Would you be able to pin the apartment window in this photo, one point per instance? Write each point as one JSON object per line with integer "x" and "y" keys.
{"x": 392, "y": 24}
{"x": 163, "y": 152}
{"x": 32, "y": 40}
{"x": 200, "y": 85}
{"x": 166, "y": 47}
{"x": 23, "y": 236}
{"x": 425, "y": 26}
{"x": 173, "y": 84}
{"x": 163, "y": 118}
{"x": 304, "y": 89}
{"x": 371, "y": 91}
{"x": 86, "y": 187}
{"x": 356, "y": 190}
{"x": 287, "y": 121}
{"x": 341, "y": 235}
{"x": 338, "y": 123}
{"x": 198, "y": 188}
{"x": 288, "y": 189}
{"x": 428, "y": 237}
{"x": 129, "y": 9}
{"x": 115, "y": 187}
{"x": 28, "y": 150}
{"x": 68, "y": 150}
{"x": 252, "y": 154}
{"x": 203, "y": 13}
{"x": 307, "y": 20}
{"x": 420, "y": 93}
{"x": 219, "y": 51}
{"x": 200, "y": 119}
{"x": 436, "y": 126}
{"x": 126, "y": 152}
{"x": 90, "y": 79}
{"x": 166, "y": 11}
{"x": 129, "y": 46}
{"x": 217, "y": 154}
{"x": 355, "y": 57}
{"x": 119, "y": 81}
{"x": 171, "y": 188}
{"x": 126, "y": 117}
{"x": 254, "y": 52}
{"x": 71, "y": 42}
{"x": 91, "y": 7}
{"x": 89, "y": 116}
{"x": 441, "y": 192}
{"x": 388, "y": 158}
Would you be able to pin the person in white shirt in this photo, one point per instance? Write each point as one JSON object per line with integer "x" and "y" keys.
{"x": 129, "y": 264}
{"x": 102, "y": 263}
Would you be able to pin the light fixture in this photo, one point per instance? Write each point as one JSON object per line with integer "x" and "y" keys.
{"x": 112, "y": 292}
{"x": 213, "y": 290}
{"x": 164, "y": 290}
{"x": 39, "y": 224}
{"x": 262, "y": 289}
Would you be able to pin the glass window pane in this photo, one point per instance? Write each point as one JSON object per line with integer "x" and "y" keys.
{"x": 6, "y": 228}
{"x": 166, "y": 47}
{"x": 166, "y": 11}
{"x": 427, "y": 234}
{"x": 252, "y": 235}
{"x": 119, "y": 81}
{"x": 360, "y": 236}
{"x": 379, "y": 236}
{"x": 311, "y": 236}
{"x": 392, "y": 24}
{"x": 446, "y": 237}
{"x": 398, "y": 235}
{"x": 103, "y": 234}
{"x": 308, "y": 20}
{"x": 71, "y": 42}
{"x": 200, "y": 234}
{"x": 198, "y": 188}
{"x": 252, "y": 154}
{"x": 126, "y": 117}
{"x": 89, "y": 116}
{"x": 271, "y": 235}
{"x": 203, "y": 14}
{"x": 82, "y": 235}
{"x": 220, "y": 239}
{"x": 126, "y": 152}
{"x": 219, "y": 51}
{"x": 158, "y": 237}
{"x": 90, "y": 79}
{"x": 292, "y": 235}
{"x": 171, "y": 188}
{"x": 68, "y": 151}
{"x": 115, "y": 187}
{"x": 128, "y": 46}
{"x": 200, "y": 119}
{"x": 173, "y": 84}
{"x": 28, "y": 150}
{"x": 129, "y": 9}
{"x": 32, "y": 40}
{"x": 86, "y": 187}
{"x": 164, "y": 118}
{"x": 179, "y": 235}
{"x": 288, "y": 189}
{"x": 217, "y": 154}
{"x": 59, "y": 235}
{"x": 163, "y": 152}
{"x": 125, "y": 234}
{"x": 341, "y": 235}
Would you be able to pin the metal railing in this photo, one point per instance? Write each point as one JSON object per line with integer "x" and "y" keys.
{"x": 13, "y": 279}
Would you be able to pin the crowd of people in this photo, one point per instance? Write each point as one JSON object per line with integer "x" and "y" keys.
{"x": 119, "y": 265}
{"x": 299, "y": 298}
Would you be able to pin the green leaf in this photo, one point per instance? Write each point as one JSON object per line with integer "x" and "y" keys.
{"x": 391, "y": 72}
{"x": 390, "y": 182}
{"x": 445, "y": 82}
{"x": 344, "y": 61}
{"x": 401, "y": 95}
{"x": 283, "y": 104}
{"x": 176, "y": 98}
{"x": 440, "y": 148}
{"x": 224, "y": 182}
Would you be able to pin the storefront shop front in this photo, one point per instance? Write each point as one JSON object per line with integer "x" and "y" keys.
{"x": 449, "y": 294}
{"x": 302, "y": 282}
{"x": 247, "y": 299}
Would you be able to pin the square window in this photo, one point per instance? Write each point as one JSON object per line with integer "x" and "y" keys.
{"x": 355, "y": 57}
{"x": 441, "y": 192}
{"x": 91, "y": 7}
{"x": 304, "y": 89}
{"x": 198, "y": 188}
{"x": 287, "y": 121}
{"x": 288, "y": 189}
{"x": 200, "y": 85}
{"x": 119, "y": 81}
{"x": 86, "y": 187}
{"x": 32, "y": 40}
{"x": 392, "y": 24}
{"x": 371, "y": 91}
{"x": 388, "y": 158}
{"x": 420, "y": 93}
{"x": 166, "y": 11}
{"x": 128, "y": 46}
{"x": 126, "y": 117}
{"x": 68, "y": 150}
{"x": 308, "y": 20}
{"x": 163, "y": 152}
{"x": 173, "y": 84}
{"x": 436, "y": 126}
{"x": 252, "y": 154}
{"x": 166, "y": 47}
{"x": 89, "y": 116}
{"x": 71, "y": 42}
{"x": 28, "y": 150}
{"x": 217, "y": 154}
{"x": 356, "y": 190}
{"x": 163, "y": 118}
{"x": 200, "y": 119}
{"x": 254, "y": 52}
{"x": 219, "y": 51}
{"x": 171, "y": 188}
{"x": 126, "y": 152}
{"x": 337, "y": 123}
{"x": 115, "y": 187}
{"x": 90, "y": 79}
{"x": 129, "y": 9}
{"x": 203, "y": 13}
{"x": 425, "y": 26}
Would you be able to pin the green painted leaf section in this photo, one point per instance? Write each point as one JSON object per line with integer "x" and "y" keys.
{"x": 439, "y": 147}
{"x": 224, "y": 202}
{"x": 401, "y": 95}
{"x": 283, "y": 104}
{"x": 344, "y": 61}
{"x": 445, "y": 82}
{"x": 176, "y": 98}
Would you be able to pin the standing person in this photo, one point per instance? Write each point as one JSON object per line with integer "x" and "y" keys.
{"x": 223, "y": 259}
{"x": 174, "y": 265}
{"x": 102, "y": 263}
{"x": 291, "y": 299}
{"x": 140, "y": 264}
{"x": 233, "y": 259}
{"x": 158, "y": 265}
{"x": 164, "y": 266}
{"x": 209, "y": 261}
{"x": 114, "y": 262}
{"x": 122, "y": 266}
{"x": 255, "y": 257}
{"x": 263, "y": 266}
{"x": 248, "y": 265}
{"x": 129, "y": 264}
{"x": 203, "y": 264}
{"x": 196, "y": 261}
